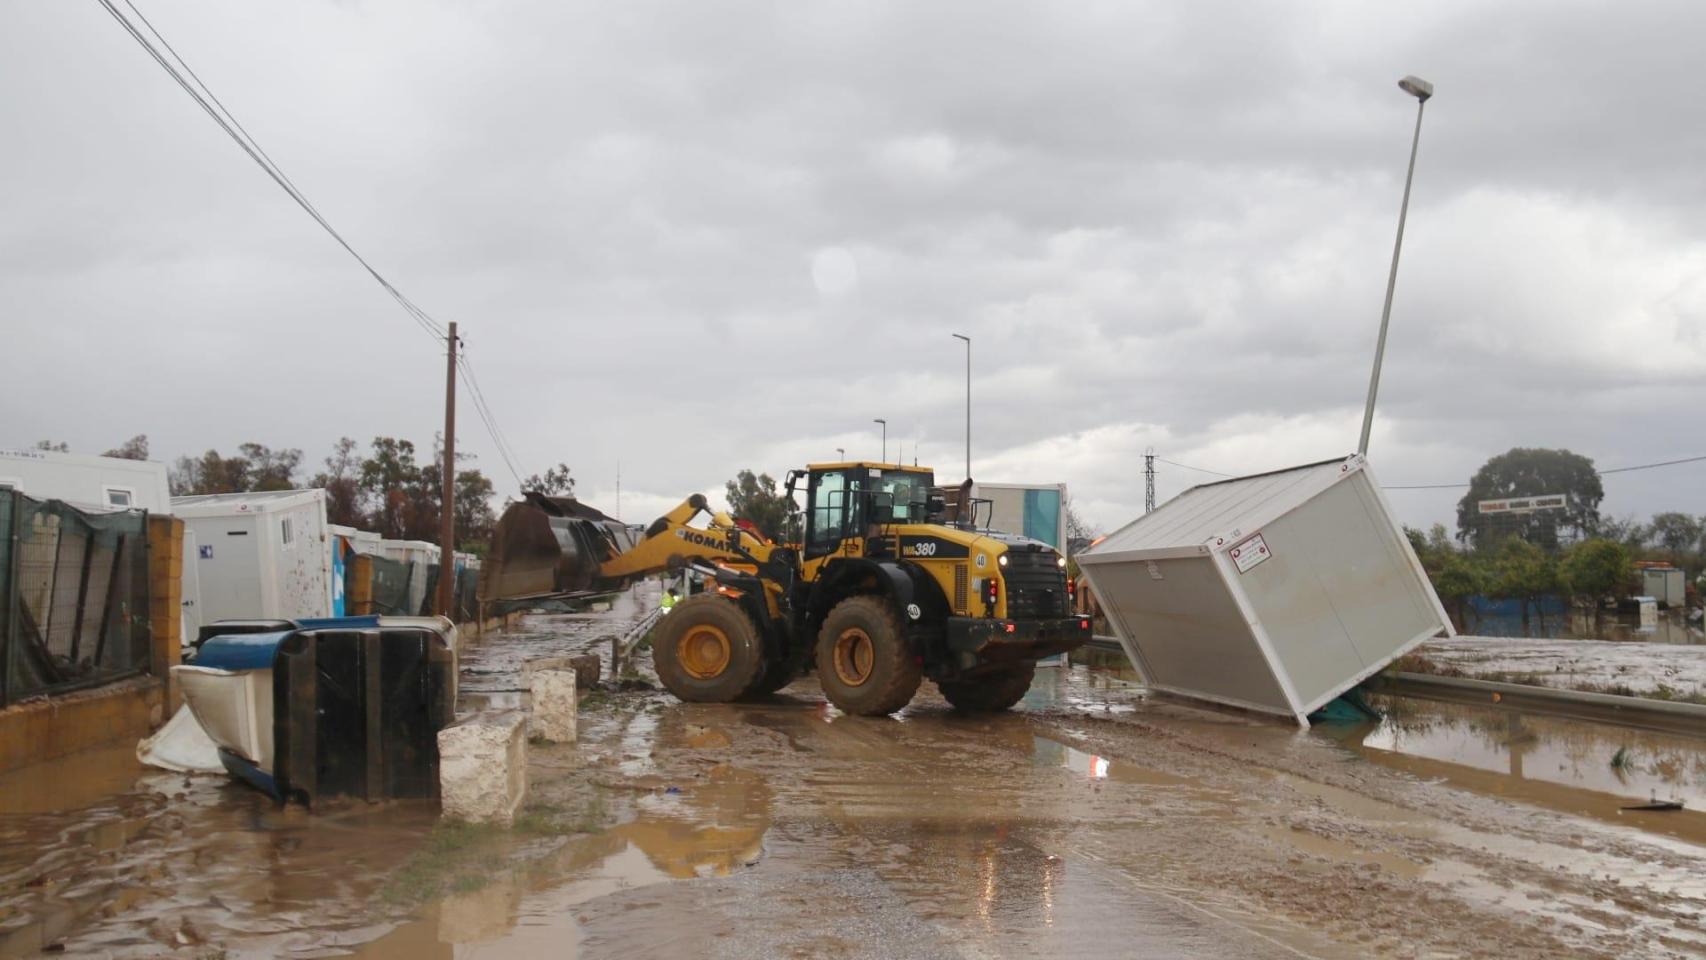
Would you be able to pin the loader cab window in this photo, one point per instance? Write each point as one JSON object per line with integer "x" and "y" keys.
{"x": 906, "y": 492}
{"x": 831, "y": 502}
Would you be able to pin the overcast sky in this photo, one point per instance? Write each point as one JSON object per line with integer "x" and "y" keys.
{"x": 695, "y": 237}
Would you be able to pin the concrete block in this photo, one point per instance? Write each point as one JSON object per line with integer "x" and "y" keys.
{"x": 554, "y": 705}
{"x": 482, "y": 767}
{"x": 587, "y": 668}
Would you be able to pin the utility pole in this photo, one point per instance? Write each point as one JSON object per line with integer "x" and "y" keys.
{"x": 961, "y": 336}
{"x": 447, "y": 501}
{"x": 1149, "y": 480}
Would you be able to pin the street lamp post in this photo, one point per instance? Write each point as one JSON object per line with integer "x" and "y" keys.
{"x": 1421, "y": 90}
{"x": 961, "y": 336}
{"x": 885, "y": 424}
{"x": 841, "y": 452}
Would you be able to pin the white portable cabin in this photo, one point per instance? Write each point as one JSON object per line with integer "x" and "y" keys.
{"x": 420, "y": 555}
{"x": 363, "y": 542}
{"x": 109, "y": 483}
{"x": 1665, "y": 585}
{"x": 1035, "y": 510}
{"x": 1275, "y": 592}
{"x": 260, "y": 555}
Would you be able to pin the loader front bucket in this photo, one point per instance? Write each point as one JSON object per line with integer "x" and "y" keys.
{"x": 549, "y": 547}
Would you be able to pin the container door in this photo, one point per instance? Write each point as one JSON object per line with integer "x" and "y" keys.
{"x": 229, "y": 569}
{"x": 191, "y": 605}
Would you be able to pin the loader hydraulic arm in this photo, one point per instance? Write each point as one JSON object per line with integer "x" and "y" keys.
{"x": 670, "y": 544}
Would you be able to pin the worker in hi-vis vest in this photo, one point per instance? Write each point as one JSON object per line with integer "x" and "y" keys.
{"x": 669, "y": 598}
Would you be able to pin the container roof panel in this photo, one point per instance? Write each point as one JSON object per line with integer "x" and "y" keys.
{"x": 254, "y": 501}
{"x": 1211, "y": 509}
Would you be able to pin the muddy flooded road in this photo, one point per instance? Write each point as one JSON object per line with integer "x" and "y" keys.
{"x": 1093, "y": 821}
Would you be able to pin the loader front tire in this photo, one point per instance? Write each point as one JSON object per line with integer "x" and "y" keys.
{"x": 707, "y": 650}
{"x": 864, "y": 661}
{"x": 775, "y": 675}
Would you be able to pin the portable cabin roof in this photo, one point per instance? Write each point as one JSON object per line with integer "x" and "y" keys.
{"x": 256, "y": 501}
{"x": 1226, "y": 508}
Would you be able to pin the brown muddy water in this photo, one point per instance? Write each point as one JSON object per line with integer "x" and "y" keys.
{"x": 1094, "y": 821}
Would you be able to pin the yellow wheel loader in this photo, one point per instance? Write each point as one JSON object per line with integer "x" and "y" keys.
{"x": 888, "y": 587}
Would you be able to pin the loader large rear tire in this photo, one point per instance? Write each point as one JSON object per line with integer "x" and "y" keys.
{"x": 706, "y": 650}
{"x": 990, "y": 692}
{"x": 864, "y": 661}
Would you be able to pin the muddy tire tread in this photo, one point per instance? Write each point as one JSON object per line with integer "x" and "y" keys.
{"x": 895, "y": 670}
{"x": 746, "y": 658}
{"x": 992, "y": 692}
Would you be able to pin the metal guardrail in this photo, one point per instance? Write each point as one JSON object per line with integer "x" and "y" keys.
{"x": 1647, "y": 714}
{"x": 1664, "y": 715}
{"x": 621, "y": 648}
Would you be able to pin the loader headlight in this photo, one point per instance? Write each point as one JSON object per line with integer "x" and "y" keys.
{"x": 1002, "y": 560}
{"x": 1060, "y": 562}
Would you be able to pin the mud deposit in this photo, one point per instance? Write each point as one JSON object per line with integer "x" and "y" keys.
{"x": 1638, "y": 668}
{"x": 1091, "y": 822}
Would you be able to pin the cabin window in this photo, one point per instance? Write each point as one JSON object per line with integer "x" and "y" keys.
{"x": 119, "y": 497}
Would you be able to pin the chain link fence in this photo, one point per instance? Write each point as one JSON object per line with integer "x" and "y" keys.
{"x": 73, "y": 597}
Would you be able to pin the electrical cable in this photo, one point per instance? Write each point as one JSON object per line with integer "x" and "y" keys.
{"x": 228, "y": 122}
{"x": 202, "y": 94}
{"x": 1186, "y": 466}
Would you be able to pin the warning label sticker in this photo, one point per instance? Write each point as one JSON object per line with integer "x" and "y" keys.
{"x": 1249, "y": 553}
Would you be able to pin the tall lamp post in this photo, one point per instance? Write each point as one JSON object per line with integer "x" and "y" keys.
{"x": 841, "y": 452}
{"x": 885, "y": 424}
{"x": 961, "y": 336}
{"x": 1421, "y": 90}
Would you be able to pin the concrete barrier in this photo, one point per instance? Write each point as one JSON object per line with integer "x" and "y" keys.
{"x": 482, "y": 767}
{"x": 554, "y": 704}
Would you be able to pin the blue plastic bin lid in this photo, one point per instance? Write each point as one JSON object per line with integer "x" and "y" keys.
{"x": 241, "y": 651}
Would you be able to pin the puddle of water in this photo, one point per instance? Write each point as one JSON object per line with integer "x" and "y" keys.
{"x": 1671, "y": 627}
{"x": 709, "y": 829}
{"x": 1629, "y": 764}
{"x": 70, "y": 783}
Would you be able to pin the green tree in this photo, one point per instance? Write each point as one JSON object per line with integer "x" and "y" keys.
{"x": 1524, "y": 572}
{"x": 392, "y": 479}
{"x": 1677, "y": 532}
{"x": 475, "y": 520}
{"x": 136, "y": 448}
{"x": 1623, "y": 530}
{"x": 270, "y": 469}
{"x": 1456, "y": 576}
{"x": 555, "y": 482}
{"x": 342, "y": 482}
{"x": 754, "y": 498}
{"x": 1526, "y": 472}
{"x": 1596, "y": 569}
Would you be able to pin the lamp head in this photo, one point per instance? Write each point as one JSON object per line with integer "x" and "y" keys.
{"x": 1417, "y": 87}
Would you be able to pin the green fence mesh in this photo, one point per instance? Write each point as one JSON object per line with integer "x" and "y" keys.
{"x": 73, "y": 596}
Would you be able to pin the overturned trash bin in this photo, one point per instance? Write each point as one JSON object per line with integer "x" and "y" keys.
{"x": 1275, "y": 592}
{"x": 315, "y": 709}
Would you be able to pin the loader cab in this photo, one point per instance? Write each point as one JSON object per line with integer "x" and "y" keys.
{"x": 845, "y": 500}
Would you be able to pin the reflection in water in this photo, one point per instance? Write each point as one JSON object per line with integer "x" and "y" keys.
{"x": 1628, "y": 763}
{"x": 1671, "y": 627}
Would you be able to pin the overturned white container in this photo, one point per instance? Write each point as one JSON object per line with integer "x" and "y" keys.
{"x": 1275, "y": 592}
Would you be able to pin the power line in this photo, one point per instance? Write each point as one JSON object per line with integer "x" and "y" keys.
{"x": 1459, "y": 486}
{"x": 215, "y": 108}
{"x": 1649, "y": 466}
{"x": 228, "y": 122}
{"x": 484, "y": 411}
{"x": 1186, "y": 466}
